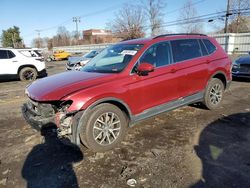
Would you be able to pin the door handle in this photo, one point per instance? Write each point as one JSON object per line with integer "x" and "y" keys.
{"x": 173, "y": 70}
{"x": 14, "y": 61}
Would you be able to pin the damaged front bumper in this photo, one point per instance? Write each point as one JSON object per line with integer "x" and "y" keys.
{"x": 38, "y": 115}
{"x": 49, "y": 114}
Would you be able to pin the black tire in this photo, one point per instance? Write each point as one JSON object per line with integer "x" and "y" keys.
{"x": 100, "y": 137}
{"x": 214, "y": 94}
{"x": 27, "y": 74}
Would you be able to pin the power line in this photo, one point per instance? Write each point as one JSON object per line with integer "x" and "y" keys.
{"x": 195, "y": 3}
{"x": 100, "y": 12}
{"x": 81, "y": 16}
{"x": 202, "y": 18}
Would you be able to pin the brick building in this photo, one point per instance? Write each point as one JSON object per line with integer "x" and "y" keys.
{"x": 95, "y": 36}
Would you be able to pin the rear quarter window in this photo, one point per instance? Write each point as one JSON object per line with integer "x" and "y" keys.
{"x": 209, "y": 45}
{"x": 10, "y": 54}
{"x": 203, "y": 48}
{"x": 185, "y": 49}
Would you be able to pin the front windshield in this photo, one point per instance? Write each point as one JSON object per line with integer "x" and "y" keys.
{"x": 112, "y": 59}
{"x": 90, "y": 54}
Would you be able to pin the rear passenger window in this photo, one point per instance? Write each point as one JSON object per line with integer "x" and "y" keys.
{"x": 3, "y": 54}
{"x": 209, "y": 45}
{"x": 185, "y": 49}
{"x": 10, "y": 54}
{"x": 203, "y": 48}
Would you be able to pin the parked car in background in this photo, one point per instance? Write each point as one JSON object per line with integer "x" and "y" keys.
{"x": 14, "y": 63}
{"x": 241, "y": 67}
{"x": 58, "y": 55}
{"x": 75, "y": 63}
{"x": 127, "y": 83}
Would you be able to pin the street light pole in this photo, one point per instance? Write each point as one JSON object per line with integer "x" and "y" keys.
{"x": 39, "y": 40}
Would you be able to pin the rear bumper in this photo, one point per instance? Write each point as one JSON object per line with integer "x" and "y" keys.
{"x": 42, "y": 73}
{"x": 37, "y": 122}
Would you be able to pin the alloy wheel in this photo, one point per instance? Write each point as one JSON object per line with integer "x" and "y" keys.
{"x": 106, "y": 128}
{"x": 215, "y": 94}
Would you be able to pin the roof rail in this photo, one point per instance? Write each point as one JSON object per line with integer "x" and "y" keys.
{"x": 166, "y": 35}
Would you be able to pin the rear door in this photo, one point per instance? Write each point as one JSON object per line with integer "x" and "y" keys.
{"x": 158, "y": 87}
{"x": 193, "y": 65}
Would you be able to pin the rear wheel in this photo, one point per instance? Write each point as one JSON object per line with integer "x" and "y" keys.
{"x": 214, "y": 93}
{"x": 27, "y": 74}
{"x": 104, "y": 129}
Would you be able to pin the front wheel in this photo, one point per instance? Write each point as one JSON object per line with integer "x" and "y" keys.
{"x": 214, "y": 93}
{"x": 104, "y": 129}
{"x": 27, "y": 74}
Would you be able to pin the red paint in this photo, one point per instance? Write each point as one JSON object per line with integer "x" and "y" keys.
{"x": 137, "y": 92}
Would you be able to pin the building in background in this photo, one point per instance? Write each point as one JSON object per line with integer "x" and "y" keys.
{"x": 96, "y": 36}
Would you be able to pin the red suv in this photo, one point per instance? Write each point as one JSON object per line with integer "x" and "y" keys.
{"x": 126, "y": 83}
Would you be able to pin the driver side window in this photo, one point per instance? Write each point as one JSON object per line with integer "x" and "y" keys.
{"x": 158, "y": 55}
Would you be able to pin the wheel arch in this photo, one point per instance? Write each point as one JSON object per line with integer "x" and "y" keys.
{"x": 24, "y": 66}
{"x": 117, "y": 102}
{"x": 221, "y": 76}
{"x": 82, "y": 114}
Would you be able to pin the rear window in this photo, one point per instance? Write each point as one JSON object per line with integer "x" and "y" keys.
{"x": 185, "y": 49}
{"x": 209, "y": 45}
{"x": 29, "y": 53}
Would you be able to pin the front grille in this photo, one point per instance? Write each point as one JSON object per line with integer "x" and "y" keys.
{"x": 41, "y": 109}
{"x": 244, "y": 68}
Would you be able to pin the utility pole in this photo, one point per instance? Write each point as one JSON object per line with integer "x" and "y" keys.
{"x": 76, "y": 19}
{"x": 39, "y": 39}
{"x": 238, "y": 17}
{"x": 227, "y": 15}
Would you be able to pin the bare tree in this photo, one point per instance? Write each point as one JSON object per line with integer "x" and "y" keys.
{"x": 154, "y": 11}
{"x": 62, "y": 38}
{"x": 239, "y": 22}
{"x": 40, "y": 42}
{"x": 187, "y": 13}
{"x": 129, "y": 22}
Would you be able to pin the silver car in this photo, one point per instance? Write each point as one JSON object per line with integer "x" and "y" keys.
{"x": 75, "y": 63}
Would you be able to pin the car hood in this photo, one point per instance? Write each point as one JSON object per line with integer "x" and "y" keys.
{"x": 60, "y": 85}
{"x": 243, "y": 60}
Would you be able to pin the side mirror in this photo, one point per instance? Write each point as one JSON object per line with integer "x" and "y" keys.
{"x": 144, "y": 68}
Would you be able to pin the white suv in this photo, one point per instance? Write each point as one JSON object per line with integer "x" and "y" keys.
{"x": 14, "y": 63}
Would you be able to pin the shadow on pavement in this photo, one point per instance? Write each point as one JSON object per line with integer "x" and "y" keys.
{"x": 51, "y": 164}
{"x": 241, "y": 79}
{"x": 9, "y": 79}
{"x": 224, "y": 149}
